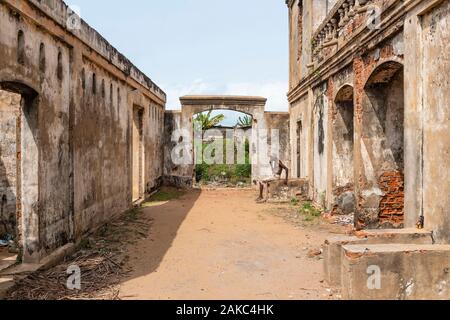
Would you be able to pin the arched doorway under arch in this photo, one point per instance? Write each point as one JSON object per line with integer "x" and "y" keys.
{"x": 382, "y": 148}
{"x": 222, "y": 140}
{"x": 252, "y": 106}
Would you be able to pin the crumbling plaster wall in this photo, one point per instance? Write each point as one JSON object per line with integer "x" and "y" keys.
{"x": 79, "y": 87}
{"x": 10, "y": 105}
{"x": 415, "y": 35}
{"x": 321, "y": 145}
{"x": 428, "y": 94}
{"x": 341, "y": 135}
{"x": 279, "y": 121}
{"x": 376, "y": 167}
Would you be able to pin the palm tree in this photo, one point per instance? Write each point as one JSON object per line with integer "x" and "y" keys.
{"x": 206, "y": 122}
{"x": 245, "y": 122}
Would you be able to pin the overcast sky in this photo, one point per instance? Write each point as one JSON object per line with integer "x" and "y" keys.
{"x": 200, "y": 46}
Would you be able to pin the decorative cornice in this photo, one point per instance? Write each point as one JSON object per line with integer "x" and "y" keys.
{"x": 363, "y": 40}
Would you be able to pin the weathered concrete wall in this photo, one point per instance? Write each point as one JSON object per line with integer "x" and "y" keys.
{"x": 175, "y": 147}
{"x": 320, "y": 145}
{"x": 379, "y": 128}
{"x": 279, "y": 121}
{"x": 296, "y": 42}
{"x": 79, "y": 94}
{"x": 9, "y": 116}
{"x": 399, "y": 99}
{"x": 436, "y": 120}
{"x": 407, "y": 271}
{"x": 300, "y": 122}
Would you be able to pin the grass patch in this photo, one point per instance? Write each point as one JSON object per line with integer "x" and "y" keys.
{"x": 164, "y": 195}
{"x": 227, "y": 174}
{"x": 295, "y": 202}
{"x": 309, "y": 212}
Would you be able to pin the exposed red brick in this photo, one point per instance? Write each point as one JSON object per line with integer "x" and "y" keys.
{"x": 393, "y": 203}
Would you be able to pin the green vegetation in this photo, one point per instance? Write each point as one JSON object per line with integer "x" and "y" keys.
{"x": 166, "y": 194}
{"x": 295, "y": 202}
{"x": 309, "y": 212}
{"x": 225, "y": 173}
{"x": 204, "y": 121}
{"x": 245, "y": 122}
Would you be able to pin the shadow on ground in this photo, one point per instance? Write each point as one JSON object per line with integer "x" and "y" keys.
{"x": 167, "y": 217}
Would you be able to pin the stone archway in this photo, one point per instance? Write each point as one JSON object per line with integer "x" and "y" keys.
{"x": 382, "y": 147}
{"x": 253, "y": 106}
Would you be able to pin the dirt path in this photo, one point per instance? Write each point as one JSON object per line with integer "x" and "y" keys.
{"x": 222, "y": 245}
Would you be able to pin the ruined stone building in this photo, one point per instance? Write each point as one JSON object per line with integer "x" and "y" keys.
{"x": 369, "y": 116}
{"x": 84, "y": 134}
{"x": 81, "y": 128}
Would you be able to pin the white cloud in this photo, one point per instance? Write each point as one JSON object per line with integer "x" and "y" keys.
{"x": 198, "y": 87}
{"x": 275, "y": 92}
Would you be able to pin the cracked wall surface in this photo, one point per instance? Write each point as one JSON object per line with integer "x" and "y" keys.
{"x": 76, "y": 151}
{"x": 396, "y": 64}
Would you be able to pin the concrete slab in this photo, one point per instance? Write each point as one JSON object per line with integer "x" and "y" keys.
{"x": 333, "y": 246}
{"x": 279, "y": 192}
{"x": 395, "y": 271}
{"x": 7, "y": 259}
{"x": 332, "y": 251}
{"x": 6, "y": 283}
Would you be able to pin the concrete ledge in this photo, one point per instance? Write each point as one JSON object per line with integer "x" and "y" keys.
{"x": 332, "y": 251}
{"x": 407, "y": 271}
{"x": 333, "y": 246}
{"x": 397, "y": 235}
{"x": 9, "y": 276}
{"x": 57, "y": 256}
{"x": 279, "y": 192}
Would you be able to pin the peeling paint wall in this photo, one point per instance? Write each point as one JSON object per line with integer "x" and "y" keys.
{"x": 300, "y": 122}
{"x": 320, "y": 144}
{"x": 436, "y": 122}
{"x": 9, "y": 116}
{"x": 279, "y": 122}
{"x": 78, "y": 94}
{"x": 399, "y": 75}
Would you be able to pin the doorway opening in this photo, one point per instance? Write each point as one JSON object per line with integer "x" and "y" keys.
{"x": 343, "y": 149}
{"x": 383, "y": 141}
{"x": 222, "y": 140}
{"x": 19, "y": 216}
{"x": 138, "y": 187}
{"x": 9, "y": 155}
